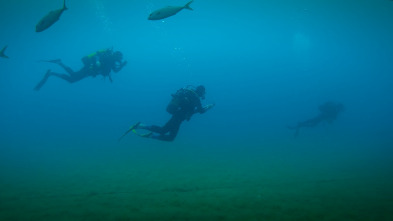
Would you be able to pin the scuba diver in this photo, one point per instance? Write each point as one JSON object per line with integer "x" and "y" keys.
{"x": 185, "y": 103}
{"x": 328, "y": 113}
{"x": 99, "y": 63}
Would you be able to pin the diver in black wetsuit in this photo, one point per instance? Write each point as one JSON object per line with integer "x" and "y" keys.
{"x": 328, "y": 112}
{"x": 99, "y": 63}
{"x": 185, "y": 102}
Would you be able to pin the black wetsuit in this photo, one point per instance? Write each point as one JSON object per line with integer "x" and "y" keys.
{"x": 189, "y": 104}
{"x": 90, "y": 69}
{"x": 106, "y": 65}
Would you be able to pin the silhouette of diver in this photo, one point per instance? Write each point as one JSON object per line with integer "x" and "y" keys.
{"x": 328, "y": 113}
{"x": 185, "y": 103}
{"x": 99, "y": 63}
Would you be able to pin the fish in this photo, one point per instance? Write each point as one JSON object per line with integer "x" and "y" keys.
{"x": 49, "y": 19}
{"x": 2, "y": 55}
{"x": 168, "y": 11}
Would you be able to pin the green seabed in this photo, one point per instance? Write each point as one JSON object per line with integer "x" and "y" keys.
{"x": 180, "y": 181}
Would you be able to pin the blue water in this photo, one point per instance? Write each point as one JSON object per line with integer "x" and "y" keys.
{"x": 265, "y": 64}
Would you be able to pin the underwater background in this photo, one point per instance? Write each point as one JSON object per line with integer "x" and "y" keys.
{"x": 265, "y": 64}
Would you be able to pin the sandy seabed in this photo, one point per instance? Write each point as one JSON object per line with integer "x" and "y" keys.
{"x": 197, "y": 187}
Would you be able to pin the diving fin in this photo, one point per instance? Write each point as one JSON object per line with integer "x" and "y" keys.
{"x": 133, "y": 127}
{"x": 43, "y": 81}
{"x": 145, "y": 135}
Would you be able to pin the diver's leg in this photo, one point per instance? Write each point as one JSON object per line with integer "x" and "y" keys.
{"x": 61, "y": 64}
{"x": 311, "y": 122}
{"x": 170, "y": 129}
{"x": 172, "y": 132}
{"x": 65, "y": 67}
{"x": 307, "y": 123}
{"x": 151, "y": 128}
{"x": 166, "y": 133}
{"x": 76, "y": 76}
{"x": 64, "y": 77}
{"x": 157, "y": 129}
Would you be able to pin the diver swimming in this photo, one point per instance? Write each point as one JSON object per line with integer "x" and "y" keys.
{"x": 328, "y": 113}
{"x": 185, "y": 103}
{"x": 99, "y": 63}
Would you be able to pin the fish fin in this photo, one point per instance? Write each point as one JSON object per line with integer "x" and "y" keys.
{"x": 64, "y": 6}
{"x": 187, "y": 6}
{"x": 2, "y": 52}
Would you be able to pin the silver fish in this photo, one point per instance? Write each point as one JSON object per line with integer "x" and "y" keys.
{"x": 168, "y": 11}
{"x": 49, "y": 19}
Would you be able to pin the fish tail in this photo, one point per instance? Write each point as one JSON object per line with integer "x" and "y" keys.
{"x": 187, "y": 6}
{"x": 2, "y": 52}
{"x": 64, "y": 6}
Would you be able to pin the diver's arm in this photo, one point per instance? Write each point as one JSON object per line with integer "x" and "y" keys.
{"x": 205, "y": 108}
{"x": 208, "y": 107}
{"x": 117, "y": 68}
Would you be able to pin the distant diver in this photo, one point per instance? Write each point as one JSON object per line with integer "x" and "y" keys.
{"x": 49, "y": 19}
{"x": 328, "y": 113}
{"x": 99, "y": 63}
{"x": 168, "y": 11}
{"x": 185, "y": 103}
{"x": 2, "y": 55}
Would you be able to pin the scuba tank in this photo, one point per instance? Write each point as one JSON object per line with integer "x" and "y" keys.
{"x": 180, "y": 99}
{"x": 94, "y": 59}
